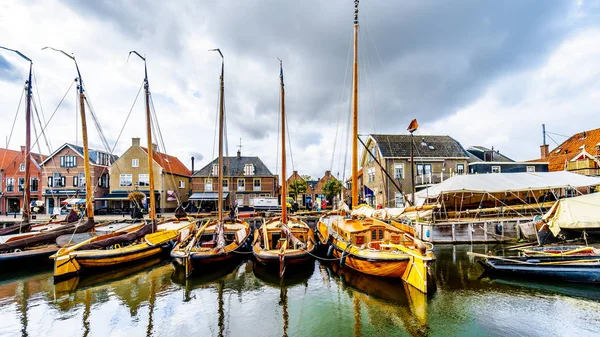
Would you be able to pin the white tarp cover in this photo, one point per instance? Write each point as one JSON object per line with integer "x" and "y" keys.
{"x": 581, "y": 212}
{"x": 506, "y": 182}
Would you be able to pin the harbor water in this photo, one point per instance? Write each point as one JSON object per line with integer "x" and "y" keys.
{"x": 154, "y": 299}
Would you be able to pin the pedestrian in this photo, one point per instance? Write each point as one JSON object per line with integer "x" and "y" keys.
{"x": 295, "y": 207}
{"x": 323, "y": 204}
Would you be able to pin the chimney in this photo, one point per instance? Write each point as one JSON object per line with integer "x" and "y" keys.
{"x": 193, "y": 165}
{"x": 23, "y": 149}
{"x": 135, "y": 142}
{"x": 544, "y": 147}
{"x": 154, "y": 147}
{"x": 327, "y": 173}
{"x": 239, "y": 154}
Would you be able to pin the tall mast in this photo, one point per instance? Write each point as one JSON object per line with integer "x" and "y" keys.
{"x": 152, "y": 208}
{"x": 89, "y": 204}
{"x": 26, "y": 189}
{"x": 221, "y": 117}
{"x": 283, "y": 182}
{"x": 355, "y": 111}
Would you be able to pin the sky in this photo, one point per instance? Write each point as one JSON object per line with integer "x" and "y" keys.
{"x": 486, "y": 73}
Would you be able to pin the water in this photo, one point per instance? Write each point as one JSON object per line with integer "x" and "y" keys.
{"x": 320, "y": 300}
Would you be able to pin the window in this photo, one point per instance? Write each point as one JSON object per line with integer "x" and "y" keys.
{"x": 423, "y": 169}
{"x": 125, "y": 180}
{"x": 240, "y": 200}
{"x": 135, "y": 163}
{"x": 495, "y": 169}
{"x": 248, "y": 169}
{"x": 399, "y": 198}
{"x": 371, "y": 174}
{"x": 21, "y": 184}
{"x": 256, "y": 185}
{"x": 530, "y": 168}
{"x": 460, "y": 168}
{"x": 370, "y": 158}
{"x": 225, "y": 185}
{"x": 103, "y": 180}
{"x": 79, "y": 180}
{"x": 143, "y": 180}
{"x": 103, "y": 159}
{"x": 215, "y": 170}
{"x": 208, "y": 185}
{"x": 182, "y": 184}
{"x": 10, "y": 184}
{"x": 241, "y": 185}
{"x": 22, "y": 168}
{"x": 35, "y": 182}
{"x": 56, "y": 180}
{"x": 376, "y": 234}
{"x": 68, "y": 161}
{"x": 398, "y": 171}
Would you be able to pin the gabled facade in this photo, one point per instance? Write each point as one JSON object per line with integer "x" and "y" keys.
{"x": 12, "y": 179}
{"x": 130, "y": 173}
{"x": 579, "y": 154}
{"x": 483, "y": 160}
{"x": 435, "y": 158}
{"x": 245, "y": 177}
{"x": 314, "y": 188}
{"x": 64, "y": 175}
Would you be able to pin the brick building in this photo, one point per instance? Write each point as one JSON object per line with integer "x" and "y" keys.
{"x": 12, "y": 179}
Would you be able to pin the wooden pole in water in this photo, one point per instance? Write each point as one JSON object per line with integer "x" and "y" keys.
{"x": 355, "y": 111}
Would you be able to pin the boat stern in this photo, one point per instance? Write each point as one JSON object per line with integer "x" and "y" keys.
{"x": 65, "y": 266}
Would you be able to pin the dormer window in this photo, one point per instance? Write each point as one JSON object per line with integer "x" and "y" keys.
{"x": 22, "y": 168}
{"x": 249, "y": 170}
{"x": 215, "y": 170}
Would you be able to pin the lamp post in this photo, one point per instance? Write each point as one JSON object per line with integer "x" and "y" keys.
{"x": 412, "y": 127}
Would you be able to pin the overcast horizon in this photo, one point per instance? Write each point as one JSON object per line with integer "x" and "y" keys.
{"x": 485, "y": 73}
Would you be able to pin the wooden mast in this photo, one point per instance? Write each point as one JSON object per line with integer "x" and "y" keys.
{"x": 26, "y": 188}
{"x": 283, "y": 154}
{"x": 152, "y": 206}
{"x": 221, "y": 117}
{"x": 89, "y": 204}
{"x": 355, "y": 111}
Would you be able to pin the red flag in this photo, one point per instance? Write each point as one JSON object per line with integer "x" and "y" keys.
{"x": 414, "y": 125}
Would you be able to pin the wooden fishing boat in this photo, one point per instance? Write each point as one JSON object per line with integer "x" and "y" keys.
{"x": 583, "y": 269}
{"x": 218, "y": 240}
{"x": 283, "y": 240}
{"x": 560, "y": 251}
{"x": 366, "y": 244}
{"x": 120, "y": 248}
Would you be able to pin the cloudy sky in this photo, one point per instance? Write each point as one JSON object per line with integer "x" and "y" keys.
{"x": 484, "y": 72}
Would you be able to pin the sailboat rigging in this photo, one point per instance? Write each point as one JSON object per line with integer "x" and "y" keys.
{"x": 283, "y": 240}
{"x": 219, "y": 240}
{"x": 366, "y": 244}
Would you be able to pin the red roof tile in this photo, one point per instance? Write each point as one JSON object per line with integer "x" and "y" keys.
{"x": 170, "y": 163}
{"x": 557, "y": 158}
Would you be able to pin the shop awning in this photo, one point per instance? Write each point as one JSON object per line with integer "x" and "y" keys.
{"x": 122, "y": 195}
{"x": 73, "y": 201}
{"x": 205, "y": 196}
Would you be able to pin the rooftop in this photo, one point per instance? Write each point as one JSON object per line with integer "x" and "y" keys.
{"x": 425, "y": 146}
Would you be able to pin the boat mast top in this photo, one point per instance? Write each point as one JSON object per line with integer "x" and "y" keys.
{"x": 355, "y": 111}
{"x": 221, "y": 117}
{"x": 26, "y": 188}
{"x": 152, "y": 206}
{"x": 283, "y": 154}
{"x": 89, "y": 204}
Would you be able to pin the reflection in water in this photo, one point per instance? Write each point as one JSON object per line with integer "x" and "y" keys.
{"x": 245, "y": 299}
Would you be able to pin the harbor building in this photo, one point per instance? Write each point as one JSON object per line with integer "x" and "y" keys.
{"x": 12, "y": 179}
{"x": 484, "y": 160}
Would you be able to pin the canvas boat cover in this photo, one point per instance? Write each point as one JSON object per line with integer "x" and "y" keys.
{"x": 577, "y": 213}
{"x": 506, "y": 182}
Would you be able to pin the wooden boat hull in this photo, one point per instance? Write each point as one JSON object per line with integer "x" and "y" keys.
{"x": 583, "y": 272}
{"x": 272, "y": 257}
{"x": 69, "y": 264}
{"x": 37, "y": 256}
{"x": 372, "y": 265}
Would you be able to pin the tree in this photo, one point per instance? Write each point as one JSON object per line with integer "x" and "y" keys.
{"x": 296, "y": 188}
{"x": 306, "y": 177}
{"x": 332, "y": 188}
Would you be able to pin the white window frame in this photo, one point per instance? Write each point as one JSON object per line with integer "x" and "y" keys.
{"x": 399, "y": 199}
{"x": 68, "y": 161}
{"x": 123, "y": 178}
{"x": 10, "y": 182}
{"x": 496, "y": 169}
{"x": 215, "y": 169}
{"x": 135, "y": 162}
{"x": 81, "y": 179}
{"x": 56, "y": 180}
{"x": 208, "y": 187}
{"x": 249, "y": 169}
{"x": 22, "y": 167}
{"x": 530, "y": 168}
{"x": 256, "y": 188}
{"x": 371, "y": 174}
{"x": 143, "y": 179}
{"x": 225, "y": 185}
{"x": 398, "y": 168}
{"x": 460, "y": 168}
{"x": 241, "y": 187}
{"x": 37, "y": 189}
{"x": 240, "y": 200}
{"x": 21, "y": 184}
{"x": 182, "y": 184}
